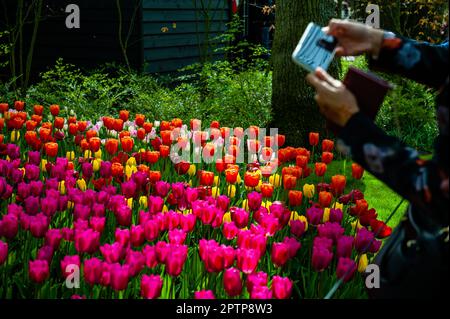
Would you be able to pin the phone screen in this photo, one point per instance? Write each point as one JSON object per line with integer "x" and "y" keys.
{"x": 315, "y": 49}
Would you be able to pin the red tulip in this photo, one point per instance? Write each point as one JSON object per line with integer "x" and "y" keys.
{"x": 327, "y": 146}
{"x": 232, "y": 282}
{"x": 54, "y": 110}
{"x": 251, "y": 179}
{"x": 313, "y": 139}
{"x": 267, "y": 190}
{"x": 289, "y": 181}
{"x": 206, "y": 178}
{"x": 380, "y": 229}
{"x": 295, "y": 198}
{"x": 231, "y": 175}
{"x": 321, "y": 169}
{"x": 357, "y": 171}
{"x": 51, "y": 149}
{"x": 327, "y": 157}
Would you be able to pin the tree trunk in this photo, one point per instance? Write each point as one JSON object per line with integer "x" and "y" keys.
{"x": 294, "y": 108}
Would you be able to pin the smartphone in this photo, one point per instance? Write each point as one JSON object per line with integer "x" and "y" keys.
{"x": 315, "y": 49}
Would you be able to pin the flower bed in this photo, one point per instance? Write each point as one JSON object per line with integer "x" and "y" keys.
{"x": 110, "y": 209}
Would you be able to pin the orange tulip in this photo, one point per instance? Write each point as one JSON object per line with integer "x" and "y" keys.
{"x": 59, "y": 123}
{"x": 267, "y": 190}
{"x": 292, "y": 170}
{"x": 177, "y": 122}
{"x": 112, "y": 146}
{"x": 54, "y": 110}
{"x": 295, "y": 198}
{"x": 72, "y": 119}
{"x": 357, "y": 171}
{"x": 231, "y": 175}
{"x": 164, "y": 151}
{"x": 84, "y": 144}
{"x": 141, "y": 133}
{"x": 289, "y": 181}
{"x": 206, "y": 178}
{"x": 251, "y": 179}
{"x": 325, "y": 199}
{"x": 196, "y": 124}
{"x": 38, "y": 109}
{"x": 44, "y": 134}
{"x": 321, "y": 169}
{"x": 90, "y": 134}
{"x": 108, "y": 122}
{"x": 36, "y": 118}
{"x": 123, "y": 115}
{"x": 139, "y": 119}
{"x": 166, "y": 137}
{"x": 152, "y": 156}
{"x": 165, "y": 126}
{"x": 313, "y": 139}
{"x": 127, "y": 144}
{"x": 155, "y": 176}
{"x": 118, "y": 125}
{"x": 51, "y": 149}
{"x": 116, "y": 169}
{"x": 338, "y": 183}
{"x": 30, "y": 125}
{"x": 148, "y": 127}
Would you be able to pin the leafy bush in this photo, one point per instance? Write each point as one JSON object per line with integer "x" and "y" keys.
{"x": 231, "y": 97}
{"x": 408, "y": 111}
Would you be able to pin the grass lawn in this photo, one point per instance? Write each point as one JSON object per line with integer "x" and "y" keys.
{"x": 378, "y": 195}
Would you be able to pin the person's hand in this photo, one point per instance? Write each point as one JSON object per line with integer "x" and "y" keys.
{"x": 355, "y": 38}
{"x": 335, "y": 101}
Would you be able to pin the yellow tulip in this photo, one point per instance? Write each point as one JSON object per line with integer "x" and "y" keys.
{"x": 62, "y": 187}
{"x": 165, "y": 209}
{"x": 8, "y": 159}
{"x": 326, "y": 215}
{"x": 216, "y": 181}
{"x": 44, "y": 165}
{"x": 231, "y": 191}
{"x": 275, "y": 180}
{"x": 356, "y": 224}
{"x": 239, "y": 179}
{"x": 339, "y": 206}
{"x": 304, "y": 220}
{"x": 15, "y": 136}
{"x": 258, "y": 188}
{"x": 309, "y": 190}
{"x": 129, "y": 170}
{"x": 130, "y": 203}
{"x": 131, "y": 161}
{"x": 70, "y": 205}
{"x": 227, "y": 217}
{"x": 192, "y": 170}
{"x": 245, "y": 204}
{"x": 87, "y": 154}
{"x": 81, "y": 183}
{"x": 143, "y": 201}
{"x": 190, "y": 183}
{"x": 215, "y": 192}
{"x": 70, "y": 156}
{"x": 96, "y": 164}
{"x": 98, "y": 154}
{"x": 267, "y": 204}
{"x": 363, "y": 263}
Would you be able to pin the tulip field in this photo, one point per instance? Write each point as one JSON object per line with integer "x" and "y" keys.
{"x": 104, "y": 209}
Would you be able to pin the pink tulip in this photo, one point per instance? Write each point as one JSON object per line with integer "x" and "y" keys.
{"x": 187, "y": 222}
{"x": 38, "y": 270}
{"x": 280, "y": 254}
{"x": 247, "y": 260}
{"x": 176, "y": 237}
{"x": 150, "y": 256}
{"x": 151, "y": 230}
{"x": 261, "y": 292}
{"x": 254, "y": 201}
{"x": 137, "y": 235}
{"x": 230, "y": 230}
{"x": 69, "y": 260}
{"x": 204, "y": 294}
{"x": 119, "y": 276}
{"x": 346, "y": 269}
{"x": 53, "y": 238}
{"x": 281, "y": 287}
{"x": 240, "y": 217}
{"x": 256, "y": 279}
{"x": 151, "y": 286}
{"x": 97, "y": 223}
{"x": 293, "y": 246}
{"x": 136, "y": 262}
{"x": 3, "y": 252}
{"x": 297, "y": 228}
{"x": 122, "y": 236}
{"x": 112, "y": 253}
{"x": 39, "y": 225}
{"x": 232, "y": 282}
{"x": 9, "y": 226}
{"x": 87, "y": 241}
{"x": 175, "y": 260}
{"x": 45, "y": 253}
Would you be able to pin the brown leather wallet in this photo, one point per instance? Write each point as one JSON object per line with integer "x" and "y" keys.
{"x": 369, "y": 90}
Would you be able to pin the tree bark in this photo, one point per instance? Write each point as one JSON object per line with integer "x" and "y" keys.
{"x": 294, "y": 108}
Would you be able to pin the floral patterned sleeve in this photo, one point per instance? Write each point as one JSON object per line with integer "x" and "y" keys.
{"x": 396, "y": 164}
{"x": 420, "y": 61}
